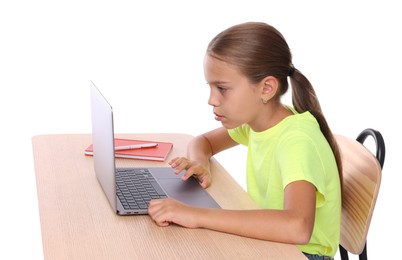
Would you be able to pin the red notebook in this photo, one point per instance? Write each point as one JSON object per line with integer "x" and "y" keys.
{"x": 157, "y": 153}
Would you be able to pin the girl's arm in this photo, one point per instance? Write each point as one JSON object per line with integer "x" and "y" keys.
{"x": 203, "y": 147}
{"x": 293, "y": 225}
{"x": 199, "y": 151}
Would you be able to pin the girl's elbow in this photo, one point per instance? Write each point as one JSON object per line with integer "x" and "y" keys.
{"x": 302, "y": 232}
{"x": 304, "y": 237}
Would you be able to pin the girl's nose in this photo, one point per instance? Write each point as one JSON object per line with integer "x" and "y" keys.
{"x": 212, "y": 100}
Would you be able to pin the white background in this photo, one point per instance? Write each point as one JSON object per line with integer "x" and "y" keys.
{"x": 146, "y": 56}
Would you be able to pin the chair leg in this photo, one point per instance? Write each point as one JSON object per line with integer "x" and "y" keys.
{"x": 343, "y": 253}
{"x": 363, "y": 254}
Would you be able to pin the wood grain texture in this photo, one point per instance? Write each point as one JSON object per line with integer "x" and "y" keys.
{"x": 361, "y": 183}
{"x": 77, "y": 221}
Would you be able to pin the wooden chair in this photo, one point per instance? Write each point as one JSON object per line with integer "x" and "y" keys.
{"x": 361, "y": 182}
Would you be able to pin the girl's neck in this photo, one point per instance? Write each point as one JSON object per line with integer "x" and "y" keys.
{"x": 271, "y": 115}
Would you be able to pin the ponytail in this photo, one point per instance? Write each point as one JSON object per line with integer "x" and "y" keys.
{"x": 304, "y": 99}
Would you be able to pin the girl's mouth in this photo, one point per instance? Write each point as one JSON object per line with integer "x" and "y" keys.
{"x": 218, "y": 117}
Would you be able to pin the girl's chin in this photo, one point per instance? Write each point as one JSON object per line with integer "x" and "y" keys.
{"x": 227, "y": 125}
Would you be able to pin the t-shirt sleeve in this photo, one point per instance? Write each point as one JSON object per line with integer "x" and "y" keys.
{"x": 240, "y": 134}
{"x": 306, "y": 164}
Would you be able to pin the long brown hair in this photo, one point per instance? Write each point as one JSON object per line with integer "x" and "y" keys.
{"x": 259, "y": 50}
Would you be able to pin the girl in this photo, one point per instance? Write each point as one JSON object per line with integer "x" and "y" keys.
{"x": 293, "y": 163}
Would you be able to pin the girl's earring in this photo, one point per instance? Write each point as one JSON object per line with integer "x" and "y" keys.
{"x": 264, "y": 100}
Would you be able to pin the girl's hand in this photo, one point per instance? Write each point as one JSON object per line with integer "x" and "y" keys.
{"x": 193, "y": 168}
{"x": 166, "y": 211}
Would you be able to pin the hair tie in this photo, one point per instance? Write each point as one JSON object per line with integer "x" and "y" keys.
{"x": 291, "y": 70}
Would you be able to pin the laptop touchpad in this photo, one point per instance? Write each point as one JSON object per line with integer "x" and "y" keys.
{"x": 189, "y": 192}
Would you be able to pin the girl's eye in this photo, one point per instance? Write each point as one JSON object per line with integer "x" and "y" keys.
{"x": 221, "y": 89}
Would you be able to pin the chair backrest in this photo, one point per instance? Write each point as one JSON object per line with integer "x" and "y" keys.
{"x": 361, "y": 182}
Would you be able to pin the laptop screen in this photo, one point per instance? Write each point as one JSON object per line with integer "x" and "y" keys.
{"x": 103, "y": 143}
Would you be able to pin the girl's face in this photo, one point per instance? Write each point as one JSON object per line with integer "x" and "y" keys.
{"x": 234, "y": 99}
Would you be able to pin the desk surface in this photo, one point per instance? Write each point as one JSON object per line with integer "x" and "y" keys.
{"x": 77, "y": 221}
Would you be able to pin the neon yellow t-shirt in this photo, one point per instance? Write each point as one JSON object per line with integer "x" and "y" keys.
{"x": 295, "y": 149}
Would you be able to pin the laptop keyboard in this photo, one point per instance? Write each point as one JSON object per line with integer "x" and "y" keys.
{"x": 136, "y": 187}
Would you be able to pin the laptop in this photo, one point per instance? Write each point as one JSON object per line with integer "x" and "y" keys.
{"x": 119, "y": 184}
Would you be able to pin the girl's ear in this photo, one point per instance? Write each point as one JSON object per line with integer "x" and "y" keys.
{"x": 270, "y": 86}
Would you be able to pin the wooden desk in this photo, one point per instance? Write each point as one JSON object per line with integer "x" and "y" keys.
{"x": 77, "y": 221}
